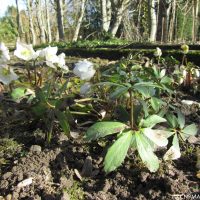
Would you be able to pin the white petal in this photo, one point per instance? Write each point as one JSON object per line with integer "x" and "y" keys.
{"x": 84, "y": 69}
{"x": 4, "y": 53}
{"x": 8, "y": 78}
{"x": 24, "y": 51}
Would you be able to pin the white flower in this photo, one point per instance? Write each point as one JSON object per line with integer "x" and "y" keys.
{"x": 25, "y": 51}
{"x": 4, "y": 53}
{"x": 84, "y": 70}
{"x": 49, "y": 53}
{"x": 7, "y": 75}
{"x": 85, "y": 89}
{"x": 197, "y": 73}
{"x": 158, "y": 52}
{"x": 61, "y": 62}
{"x": 172, "y": 154}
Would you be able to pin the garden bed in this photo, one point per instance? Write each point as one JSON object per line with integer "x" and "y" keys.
{"x": 71, "y": 168}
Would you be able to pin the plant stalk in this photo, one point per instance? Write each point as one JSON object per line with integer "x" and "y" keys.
{"x": 132, "y": 110}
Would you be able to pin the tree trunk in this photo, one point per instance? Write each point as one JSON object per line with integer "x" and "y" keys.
{"x": 19, "y": 23}
{"x": 80, "y": 19}
{"x": 59, "y": 7}
{"x": 153, "y": 22}
{"x": 106, "y": 14}
{"x": 40, "y": 21}
{"x": 29, "y": 7}
{"x": 120, "y": 8}
{"x": 48, "y": 22}
{"x": 195, "y": 11}
{"x": 172, "y": 21}
{"x": 165, "y": 25}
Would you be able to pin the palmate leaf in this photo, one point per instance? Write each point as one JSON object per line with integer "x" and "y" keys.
{"x": 101, "y": 129}
{"x": 152, "y": 120}
{"x": 146, "y": 153}
{"x": 117, "y": 152}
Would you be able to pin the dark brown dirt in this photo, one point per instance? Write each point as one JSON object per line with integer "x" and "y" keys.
{"x": 67, "y": 163}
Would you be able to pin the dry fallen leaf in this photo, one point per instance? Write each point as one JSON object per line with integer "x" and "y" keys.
{"x": 25, "y": 182}
{"x": 78, "y": 174}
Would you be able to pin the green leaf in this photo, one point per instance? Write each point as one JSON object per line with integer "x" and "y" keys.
{"x": 159, "y": 137}
{"x": 181, "y": 119}
{"x": 145, "y": 91}
{"x": 39, "y": 109}
{"x": 109, "y": 84}
{"x": 145, "y": 151}
{"x": 137, "y": 112}
{"x": 40, "y": 95}
{"x": 166, "y": 80}
{"x": 152, "y": 120}
{"x": 121, "y": 114}
{"x": 172, "y": 120}
{"x": 156, "y": 103}
{"x": 190, "y": 129}
{"x": 147, "y": 84}
{"x": 118, "y": 92}
{"x": 173, "y": 152}
{"x": 63, "y": 121}
{"x": 101, "y": 129}
{"x": 145, "y": 108}
{"x": 133, "y": 142}
{"x": 19, "y": 93}
{"x": 117, "y": 152}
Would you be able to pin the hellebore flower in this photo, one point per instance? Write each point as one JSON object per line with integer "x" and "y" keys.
{"x": 85, "y": 89}
{"x": 84, "y": 70}
{"x": 25, "y": 51}
{"x": 158, "y": 52}
{"x": 61, "y": 62}
{"x": 185, "y": 48}
{"x": 7, "y": 75}
{"x": 49, "y": 53}
{"x": 4, "y": 53}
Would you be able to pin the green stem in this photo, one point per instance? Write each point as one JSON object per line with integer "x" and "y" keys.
{"x": 132, "y": 110}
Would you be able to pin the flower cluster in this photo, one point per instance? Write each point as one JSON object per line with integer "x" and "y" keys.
{"x": 49, "y": 54}
{"x": 7, "y": 75}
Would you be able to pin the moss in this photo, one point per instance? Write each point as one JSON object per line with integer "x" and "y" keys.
{"x": 76, "y": 191}
{"x": 8, "y": 149}
{"x": 117, "y": 53}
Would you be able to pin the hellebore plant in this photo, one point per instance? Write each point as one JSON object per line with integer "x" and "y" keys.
{"x": 179, "y": 131}
{"x": 47, "y": 89}
{"x": 140, "y": 132}
{"x": 189, "y": 70}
